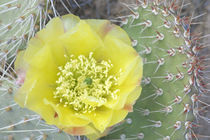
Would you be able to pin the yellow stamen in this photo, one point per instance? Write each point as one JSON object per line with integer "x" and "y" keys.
{"x": 85, "y": 84}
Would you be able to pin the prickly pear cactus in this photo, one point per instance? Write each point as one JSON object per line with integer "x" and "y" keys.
{"x": 168, "y": 103}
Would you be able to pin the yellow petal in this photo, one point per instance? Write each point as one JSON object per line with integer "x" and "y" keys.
{"x": 47, "y": 112}
{"x": 84, "y": 130}
{"x": 105, "y": 27}
{"x": 31, "y": 95}
{"x": 132, "y": 80}
{"x": 96, "y": 136}
{"x": 100, "y": 118}
{"x": 58, "y": 52}
{"x": 21, "y": 96}
{"x": 39, "y": 78}
{"x": 121, "y": 99}
{"x": 118, "y": 116}
{"x": 52, "y": 31}
{"x": 129, "y": 86}
{"x": 35, "y": 87}
{"x": 69, "y": 22}
{"x": 34, "y": 46}
{"x": 44, "y": 62}
{"x": 120, "y": 34}
{"x": 101, "y": 27}
{"x": 81, "y": 40}
{"x": 122, "y": 56}
{"x": 19, "y": 60}
{"x": 93, "y": 136}
{"x": 67, "y": 117}
{"x": 135, "y": 76}
{"x": 133, "y": 96}
{"x": 49, "y": 37}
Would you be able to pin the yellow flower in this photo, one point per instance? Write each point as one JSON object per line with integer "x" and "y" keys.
{"x": 81, "y": 75}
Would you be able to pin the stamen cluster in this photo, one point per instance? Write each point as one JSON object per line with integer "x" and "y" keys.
{"x": 85, "y": 84}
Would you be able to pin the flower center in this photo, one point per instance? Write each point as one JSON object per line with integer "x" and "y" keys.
{"x": 85, "y": 84}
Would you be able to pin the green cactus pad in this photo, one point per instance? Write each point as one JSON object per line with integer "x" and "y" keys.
{"x": 163, "y": 111}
